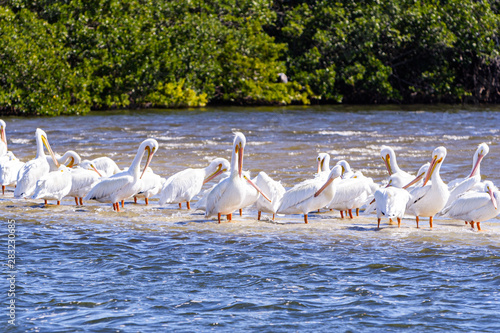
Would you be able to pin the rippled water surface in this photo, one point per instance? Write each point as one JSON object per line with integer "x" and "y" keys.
{"x": 153, "y": 269}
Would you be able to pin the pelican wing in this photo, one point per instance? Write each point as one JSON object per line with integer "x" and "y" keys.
{"x": 466, "y": 204}
{"x": 299, "y": 194}
{"x": 182, "y": 186}
{"x": 106, "y": 188}
{"x": 28, "y": 175}
{"x": 215, "y": 196}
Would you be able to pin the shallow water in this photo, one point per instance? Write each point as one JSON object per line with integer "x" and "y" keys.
{"x": 154, "y": 268}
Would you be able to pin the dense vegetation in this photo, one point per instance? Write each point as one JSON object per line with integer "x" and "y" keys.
{"x": 71, "y": 56}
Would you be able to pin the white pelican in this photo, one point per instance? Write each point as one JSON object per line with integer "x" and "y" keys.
{"x": 70, "y": 157}
{"x": 54, "y": 185}
{"x": 151, "y": 184}
{"x": 430, "y": 198}
{"x": 310, "y": 195}
{"x": 352, "y": 193}
{"x": 185, "y": 184}
{"x": 124, "y": 184}
{"x": 82, "y": 181}
{"x": 273, "y": 190}
{"x": 346, "y": 169}
{"x": 459, "y": 186}
{"x": 3, "y": 138}
{"x": 397, "y": 177}
{"x": 391, "y": 202}
{"x": 229, "y": 194}
{"x": 476, "y": 207}
{"x": 35, "y": 169}
{"x": 9, "y": 168}
{"x": 105, "y": 165}
{"x": 323, "y": 163}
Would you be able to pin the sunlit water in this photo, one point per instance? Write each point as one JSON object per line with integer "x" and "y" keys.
{"x": 152, "y": 269}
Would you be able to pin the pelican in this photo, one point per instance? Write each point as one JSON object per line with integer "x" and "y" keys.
{"x": 229, "y": 194}
{"x": 3, "y": 138}
{"x": 346, "y": 169}
{"x": 9, "y": 168}
{"x": 397, "y": 177}
{"x": 151, "y": 184}
{"x": 323, "y": 163}
{"x": 105, "y": 165}
{"x": 352, "y": 193}
{"x": 476, "y": 207}
{"x": 310, "y": 195}
{"x": 274, "y": 191}
{"x": 82, "y": 181}
{"x": 34, "y": 169}
{"x": 429, "y": 199}
{"x": 70, "y": 157}
{"x": 459, "y": 186}
{"x": 184, "y": 185}
{"x": 391, "y": 202}
{"x": 124, "y": 184}
{"x": 54, "y": 185}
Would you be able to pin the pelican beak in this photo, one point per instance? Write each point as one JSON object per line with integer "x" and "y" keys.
{"x": 343, "y": 170}
{"x": 240, "y": 159}
{"x": 479, "y": 159}
{"x": 388, "y": 184}
{"x": 320, "y": 165}
{"x": 492, "y": 196}
{"x": 47, "y": 145}
{"x": 431, "y": 169}
{"x": 3, "y": 136}
{"x": 328, "y": 182}
{"x": 257, "y": 188}
{"x": 414, "y": 181}
{"x": 71, "y": 163}
{"x": 387, "y": 161}
{"x": 150, "y": 157}
{"x": 215, "y": 174}
{"x": 93, "y": 167}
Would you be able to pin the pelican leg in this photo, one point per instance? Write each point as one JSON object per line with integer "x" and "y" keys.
{"x": 188, "y": 205}
{"x": 341, "y": 214}
{"x": 118, "y": 207}
{"x": 180, "y": 205}
{"x": 123, "y": 204}
{"x": 147, "y": 201}
{"x": 472, "y": 223}
{"x": 378, "y": 222}
{"x": 357, "y": 211}
{"x": 273, "y": 216}
{"x": 399, "y": 222}
{"x": 135, "y": 200}
{"x": 430, "y": 221}
{"x": 114, "y": 206}
{"x": 241, "y": 211}
{"x": 305, "y": 218}
{"x": 58, "y": 202}
{"x": 218, "y": 216}
{"x": 3, "y": 189}
{"x": 478, "y": 226}
{"x": 390, "y": 221}
{"x": 229, "y": 217}
{"x": 76, "y": 200}
{"x": 416, "y": 217}
{"x": 350, "y": 213}
{"x": 258, "y": 215}
{"x": 466, "y": 222}
{"x": 45, "y": 202}
{"x": 81, "y": 201}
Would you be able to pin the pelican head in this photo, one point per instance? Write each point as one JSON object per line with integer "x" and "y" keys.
{"x": 387, "y": 154}
{"x": 73, "y": 157}
{"x": 42, "y": 136}
{"x": 3, "y": 137}
{"x": 420, "y": 174}
{"x": 491, "y": 189}
{"x": 215, "y": 168}
{"x": 323, "y": 162}
{"x": 345, "y": 166}
{"x": 239, "y": 143}
{"x": 334, "y": 173}
{"x": 481, "y": 151}
{"x": 150, "y": 146}
{"x": 438, "y": 156}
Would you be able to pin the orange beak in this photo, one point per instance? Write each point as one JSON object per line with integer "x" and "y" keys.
{"x": 257, "y": 188}
{"x": 215, "y": 174}
{"x": 93, "y": 167}
{"x": 492, "y": 196}
{"x": 479, "y": 159}
{"x": 387, "y": 161}
{"x": 51, "y": 152}
{"x": 434, "y": 162}
{"x": 240, "y": 160}
{"x": 328, "y": 182}
{"x": 150, "y": 157}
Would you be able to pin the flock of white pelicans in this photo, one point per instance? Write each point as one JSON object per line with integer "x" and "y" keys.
{"x": 54, "y": 177}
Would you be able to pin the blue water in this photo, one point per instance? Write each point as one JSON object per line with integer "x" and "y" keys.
{"x": 153, "y": 269}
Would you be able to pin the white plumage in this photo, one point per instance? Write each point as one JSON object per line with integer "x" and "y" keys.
{"x": 82, "y": 181}
{"x": 429, "y": 199}
{"x": 9, "y": 168}
{"x": 273, "y": 190}
{"x": 397, "y": 177}
{"x": 124, "y": 184}
{"x": 476, "y": 207}
{"x": 70, "y": 157}
{"x": 185, "y": 185}
{"x": 105, "y": 165}
{"x": 34, "y": 169}
{"x": 310, "y": 195}
{"x": 151, "y": 184}
{"x": 54, "y": 185}
{"x": 352, "y": 193}
{"x": 3, "y": 138}
{"x": 391, "y": 203}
